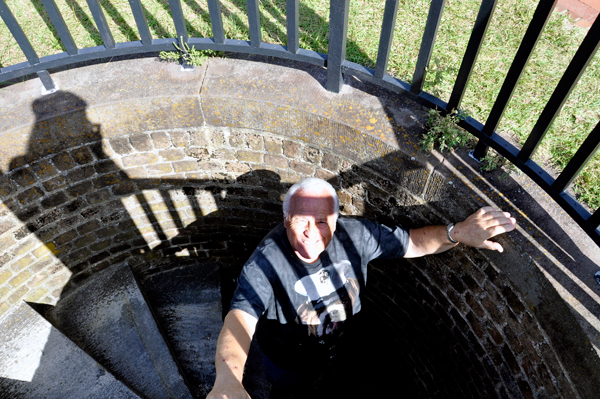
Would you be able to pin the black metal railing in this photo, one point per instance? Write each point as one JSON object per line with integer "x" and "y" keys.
{"x": 337, "y": 65}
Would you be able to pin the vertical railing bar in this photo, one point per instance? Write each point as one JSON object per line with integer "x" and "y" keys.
{"x": 141, "y": 22}
{"x": 583, "y": 155}
{"x": 429, "y": 35}
{"x": 101, "y": 24}
{"x": 61, "y": 27}
{"x": 216, "y": 21}
{"x": 15, "y": 29}
{"x": 179, "y": 21}
{"x": 567, "y": 83}
{"x": 338, "y": 35}
{"x": 293, "y": 22}
{"x": 47, "y": 81}
{"x": 386, "y": 37}
{"x": 540, "y": 18}
{"x": 254, "y": 23}
{"x": 482, "y": 22}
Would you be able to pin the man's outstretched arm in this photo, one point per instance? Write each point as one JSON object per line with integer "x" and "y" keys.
{"x": 232, "y": 351}
{"x": 475, "y": 231}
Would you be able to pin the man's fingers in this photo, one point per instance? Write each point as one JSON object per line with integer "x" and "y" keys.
{"x": 494, "y": 246}
{"x": 497, "y": 219}
{"x": 501, "y": 228}
{"x": 493, "y": 213}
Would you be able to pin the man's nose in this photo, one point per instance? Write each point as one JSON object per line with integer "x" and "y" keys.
{"x": 311, "y": 229}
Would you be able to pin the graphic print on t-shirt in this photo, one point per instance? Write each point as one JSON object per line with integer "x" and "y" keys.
{"x": 330, "y": 298}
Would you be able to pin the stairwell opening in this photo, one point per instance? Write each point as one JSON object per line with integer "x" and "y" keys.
{"x": 82, "y": 197}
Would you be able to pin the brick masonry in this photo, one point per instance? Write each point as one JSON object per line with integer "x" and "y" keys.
{"x": 73, "y": 205}
{"x": 155, "y": 198}
{"x": 583, "y": 12}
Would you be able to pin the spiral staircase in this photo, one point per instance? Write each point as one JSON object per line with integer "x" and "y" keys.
{"x": 116, "y": 337}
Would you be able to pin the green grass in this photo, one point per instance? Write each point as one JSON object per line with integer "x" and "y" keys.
{"x": 555, "y": 50}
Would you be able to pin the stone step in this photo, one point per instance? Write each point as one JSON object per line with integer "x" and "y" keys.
{"x": 109, "y": 319}
{"x": 186, "y": 301}
{"x": 38, "y": 361}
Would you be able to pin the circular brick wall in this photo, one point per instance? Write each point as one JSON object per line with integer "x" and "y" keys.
{"x": 82, "y": 196}
{"x": 159, "y": 198}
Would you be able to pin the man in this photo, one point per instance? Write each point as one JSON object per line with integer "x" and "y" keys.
{"x": 300, "y": 289}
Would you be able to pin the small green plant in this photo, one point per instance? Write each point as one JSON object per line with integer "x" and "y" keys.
{"x": 186, "y": 54}
{"x": 492, "y": 161}
{"x": 509, "y": 168}
{"x": 444, "y": 132}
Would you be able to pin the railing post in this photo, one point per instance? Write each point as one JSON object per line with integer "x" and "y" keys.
{"x": 17, "y": 32}
{"x": 482, "y": 22}
{"x": 216, "y": 21}
{"x": 61, "y": 27}
{"x": 254, "y": 23}
{"x": 140, "y": 21}
{"x": 431, "y": 27}
{"x": 179, "y": 21}
{"x": 101, "y": 24}
{"x": 583, "y": 155}
{"x": 534, "y": 31}
{"x": 338, "y": 34}
{"x": 293, "y": 37}
{"x": 25, "y": 45}
{"x": 181, "y": 29}
{"x": 49, "y": 86}
{"x": 567, "y": 83}
{"x": 385, "y": 40}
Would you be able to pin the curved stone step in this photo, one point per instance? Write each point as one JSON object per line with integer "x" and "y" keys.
{"x": 186, "y": 301}
{"x": 38, "y": 361}
{"x": 109, "y": 319}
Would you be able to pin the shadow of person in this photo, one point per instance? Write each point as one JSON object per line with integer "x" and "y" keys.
{"x": 64, "y": 189}
{"x": 70, "y": 196}
{"x": 66, "y": 186}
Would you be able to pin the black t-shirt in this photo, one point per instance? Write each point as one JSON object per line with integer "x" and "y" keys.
{"x": 303, "y": 309}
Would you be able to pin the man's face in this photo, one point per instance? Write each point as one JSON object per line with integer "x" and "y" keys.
{"x": 310, "y": 224}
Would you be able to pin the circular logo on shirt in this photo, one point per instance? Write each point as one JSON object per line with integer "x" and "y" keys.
{"x": 323, "y": 276}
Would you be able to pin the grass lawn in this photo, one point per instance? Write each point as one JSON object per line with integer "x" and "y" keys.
{"x": 555, "y": 50}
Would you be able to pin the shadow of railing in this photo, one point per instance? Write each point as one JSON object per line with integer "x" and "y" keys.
{"x": 336, "y": 64}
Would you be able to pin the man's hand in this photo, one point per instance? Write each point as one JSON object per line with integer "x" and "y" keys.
{"x": 474, "y": 231}
{"x": 484, "y": 224}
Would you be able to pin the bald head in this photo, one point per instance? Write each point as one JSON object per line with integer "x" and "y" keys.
{"x": 311, "y": 187}
{"x": 310, "y": 210}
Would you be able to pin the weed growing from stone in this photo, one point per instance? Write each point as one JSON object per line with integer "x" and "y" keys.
{"x": 492, "y": 161}
{"x": 187, "y": 54}
{"x": 444, "y": 132}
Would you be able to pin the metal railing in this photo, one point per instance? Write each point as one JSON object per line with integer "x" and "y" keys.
{"x": 337, "y": 65}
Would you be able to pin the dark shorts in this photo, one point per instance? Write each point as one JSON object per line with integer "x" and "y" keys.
{"x": 331, "y": 383}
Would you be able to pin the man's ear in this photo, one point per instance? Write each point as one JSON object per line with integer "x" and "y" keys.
{"x": 334, "y": 223}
